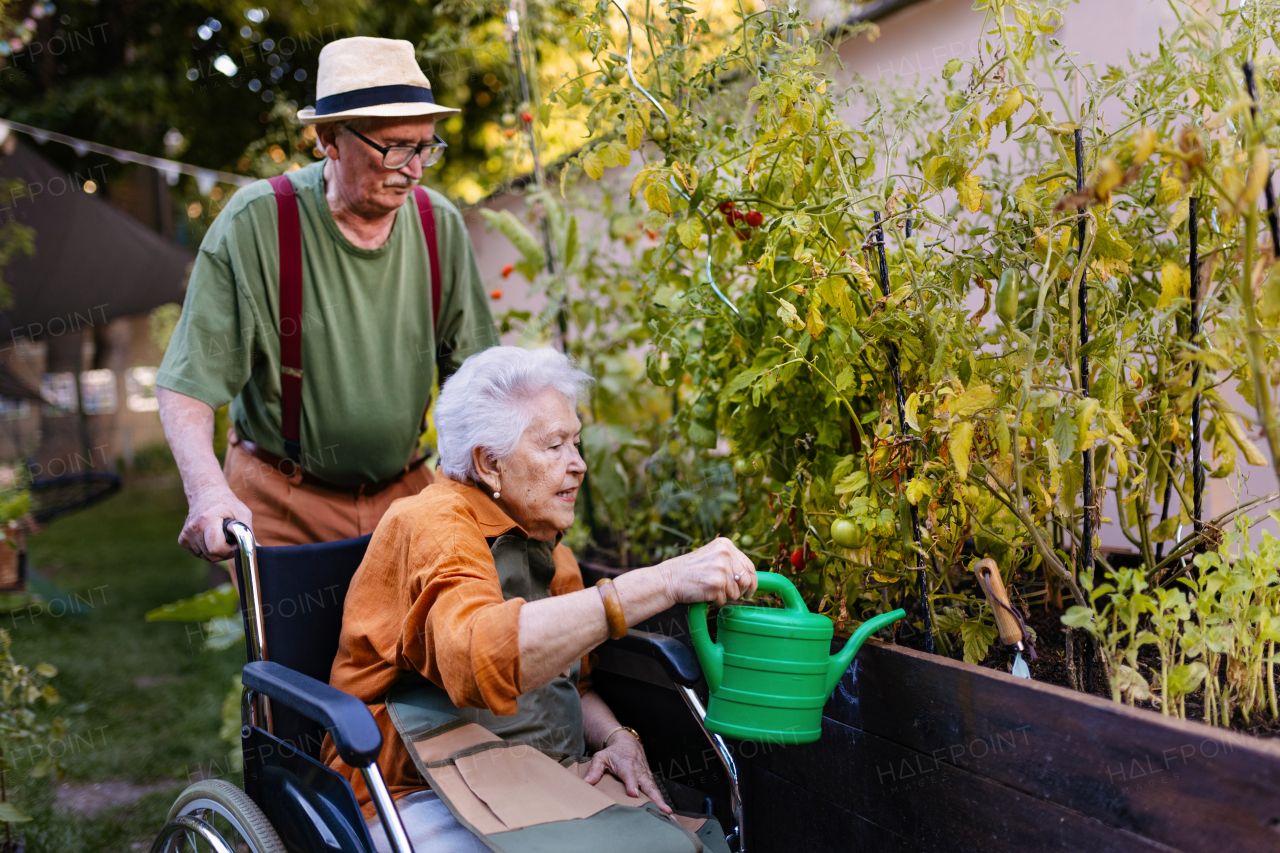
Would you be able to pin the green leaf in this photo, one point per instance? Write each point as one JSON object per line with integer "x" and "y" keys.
{"x": 978, "y": 637}
{"x": 520, "y": 236}
{"x": 223, "y": 632}
{"x": 1065, "y": 431}
{"x": 949, "y": 70}
{"x": 1078, "y": 617}
{"x": 9, "y": 813}
{"x": 221, "y": 601}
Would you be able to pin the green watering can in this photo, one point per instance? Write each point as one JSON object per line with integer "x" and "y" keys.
{"x": 771, "y": 671}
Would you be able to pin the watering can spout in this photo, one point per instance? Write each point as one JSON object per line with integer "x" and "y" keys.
{"x": 841, "y": 660}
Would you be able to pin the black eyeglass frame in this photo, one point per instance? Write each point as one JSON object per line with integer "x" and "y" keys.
{"x": 436, "y": 147}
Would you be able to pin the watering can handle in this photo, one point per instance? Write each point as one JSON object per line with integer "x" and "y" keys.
{"x": 710, "y": 655}
{"x": 776, "y": 583}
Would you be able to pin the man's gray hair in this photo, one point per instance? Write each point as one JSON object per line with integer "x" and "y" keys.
{"x": 486, "y": 403}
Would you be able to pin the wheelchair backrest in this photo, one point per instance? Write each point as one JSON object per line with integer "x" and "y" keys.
{"x": 303, "y": 588}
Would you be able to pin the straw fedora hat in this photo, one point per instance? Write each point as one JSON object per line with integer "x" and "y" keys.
{"x": 364, "y": 76}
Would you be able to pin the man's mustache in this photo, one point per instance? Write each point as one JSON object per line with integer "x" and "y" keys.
{"x": 398, "y": 181}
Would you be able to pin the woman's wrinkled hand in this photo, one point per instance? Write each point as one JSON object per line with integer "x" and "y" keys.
{"x": 623, "y": 756}
{"x": 717, "y": 572}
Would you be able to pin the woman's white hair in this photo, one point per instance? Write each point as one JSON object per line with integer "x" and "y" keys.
{"x": 485, "y": 404}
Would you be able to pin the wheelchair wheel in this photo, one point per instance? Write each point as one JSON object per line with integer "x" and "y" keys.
{"x": 232, "y": 815}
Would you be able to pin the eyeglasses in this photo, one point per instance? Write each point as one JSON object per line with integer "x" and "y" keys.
{"x": 398, "y": 156}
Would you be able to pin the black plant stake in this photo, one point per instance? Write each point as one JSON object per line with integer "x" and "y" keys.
{"x": 1086, "y": 456}
{"x": 896, "y": 372}
{"x": 1197, "y": 470}
{"x": 1271, "y": 196}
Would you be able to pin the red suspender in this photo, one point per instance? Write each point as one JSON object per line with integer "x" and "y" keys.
{"x": 428, "y": 217}
{"x": 290, "y": 240}
{"x": 290, "y": 231}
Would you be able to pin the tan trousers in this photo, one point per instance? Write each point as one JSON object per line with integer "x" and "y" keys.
{"x": 287, "y": 511}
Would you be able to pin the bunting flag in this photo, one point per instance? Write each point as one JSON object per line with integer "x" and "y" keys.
{"x": 171, "y": 169}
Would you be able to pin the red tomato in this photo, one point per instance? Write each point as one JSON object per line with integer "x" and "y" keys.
{"x": 743, "y": 234}
{"x": 526, "y": 117}
{"x": 755, "y": 218}
{"x": 508, "y": 270}
{"x": 726, "y": 206}
{"x": 496, "y": 293}
{"x": 798, "y": 559}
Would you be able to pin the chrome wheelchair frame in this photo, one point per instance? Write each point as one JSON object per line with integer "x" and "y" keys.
{"x": 357, "y": 738}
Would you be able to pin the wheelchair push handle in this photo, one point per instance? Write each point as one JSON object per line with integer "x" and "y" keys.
{"x": 236, "y": 531}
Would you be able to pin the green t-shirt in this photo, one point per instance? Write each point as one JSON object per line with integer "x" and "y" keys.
{"x": 369, "y": 349}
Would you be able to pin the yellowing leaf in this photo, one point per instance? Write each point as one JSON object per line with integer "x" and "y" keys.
{"x": 1180, "y": 214}
{"x": 1259, "y": 171}
{"x": 1269, "y": 300}
{"x": 787, "y": 314}
{"x": 917, "y": 488}
{"x": 1007, "y": 108}
{"x": 801, "y": 118}
{"x": 635, "y": 130}
{"x": 960, "y": 443}
{"x": 593, "y": 165}
{"x": 1252, "y": 454}
{"x": 690, "y": 232}
{"x": 861, "y": 276}
{"x": 1144, "y": 144}
{"x": 615, "y": 153}
{"x": 1175, "y": 283}
{"x": 637, "y": 181}
{"x": 971, "y": 401}
{"x": 816, "y": 324}
{"x": 658, "y": 196}
{"x": 909, "y": 414}
{"x": 970, "y": 193}
{"x": 1170, "y": 190}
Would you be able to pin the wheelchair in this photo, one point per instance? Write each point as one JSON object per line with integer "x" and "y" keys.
{"x": 291, "y": 604}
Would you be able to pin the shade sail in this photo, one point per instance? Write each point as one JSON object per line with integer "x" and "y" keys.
{"x": 93, "y": 262}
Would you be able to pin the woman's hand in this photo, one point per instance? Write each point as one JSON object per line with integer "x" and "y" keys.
{"x": 623, "y": 756}
{"x": 717, "y": 572}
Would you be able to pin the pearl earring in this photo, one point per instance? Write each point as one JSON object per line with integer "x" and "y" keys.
{"x": 497, "y": 495}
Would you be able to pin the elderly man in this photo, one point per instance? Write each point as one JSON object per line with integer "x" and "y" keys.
{"x": 323, "y": 305}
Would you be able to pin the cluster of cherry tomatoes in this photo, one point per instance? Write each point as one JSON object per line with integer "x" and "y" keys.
{"x": 733, "y": 216}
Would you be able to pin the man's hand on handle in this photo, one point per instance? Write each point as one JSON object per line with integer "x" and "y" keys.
{"x": 202, "y": 533}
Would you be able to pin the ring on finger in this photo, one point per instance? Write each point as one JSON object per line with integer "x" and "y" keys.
{"x": 737, "y": 577}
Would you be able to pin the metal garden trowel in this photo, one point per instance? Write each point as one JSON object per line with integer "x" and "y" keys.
{"x": 1012, "y": 627}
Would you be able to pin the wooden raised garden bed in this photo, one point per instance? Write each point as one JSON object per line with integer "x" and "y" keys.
{"x": 922, "y": 753}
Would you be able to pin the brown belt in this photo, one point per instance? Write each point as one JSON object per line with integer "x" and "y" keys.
{"x": 288, "y": 467}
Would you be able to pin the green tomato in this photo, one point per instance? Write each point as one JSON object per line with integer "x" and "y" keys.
{"x": 659, "y": 131}
{"x": 846, "y": 534}
{"x": 746, "y": 466}
{"x": 1007, "y": 296}
{"x": 618, "y": 73}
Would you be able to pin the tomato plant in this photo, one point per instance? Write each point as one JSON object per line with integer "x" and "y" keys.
{"x": 769, "y": 312}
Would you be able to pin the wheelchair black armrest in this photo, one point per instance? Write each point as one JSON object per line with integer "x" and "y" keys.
{"x": 677, "y": 660}
{"x": 348, "y": 720}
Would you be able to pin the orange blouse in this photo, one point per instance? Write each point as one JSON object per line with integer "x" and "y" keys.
{"x": 427, "y": 598}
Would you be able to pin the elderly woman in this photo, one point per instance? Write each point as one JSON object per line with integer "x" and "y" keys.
{"x": 467, "y": 605}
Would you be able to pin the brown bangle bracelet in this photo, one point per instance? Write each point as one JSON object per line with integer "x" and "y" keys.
{"x": 612, "y": 609}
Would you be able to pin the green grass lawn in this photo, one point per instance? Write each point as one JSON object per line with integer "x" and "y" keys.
{"x": 142, "y": 701}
